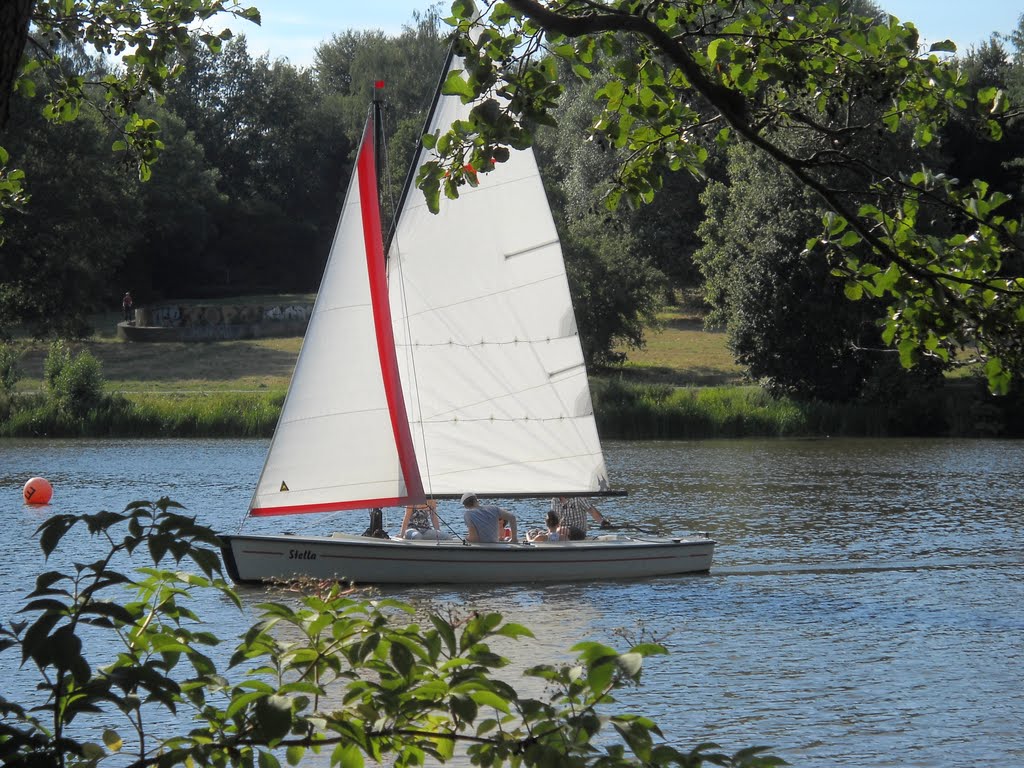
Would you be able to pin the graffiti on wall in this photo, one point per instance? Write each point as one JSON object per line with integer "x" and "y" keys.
{"x": 198, "y": 315}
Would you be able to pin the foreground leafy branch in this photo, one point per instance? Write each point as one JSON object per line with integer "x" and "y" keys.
{"x": 817, "y": 87}
{"x": 346, "y": 678}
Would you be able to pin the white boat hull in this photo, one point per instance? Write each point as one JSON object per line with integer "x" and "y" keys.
{"x": 364, "y": 560}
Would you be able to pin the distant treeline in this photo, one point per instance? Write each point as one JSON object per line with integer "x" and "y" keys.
{"x": 245, "y": 196}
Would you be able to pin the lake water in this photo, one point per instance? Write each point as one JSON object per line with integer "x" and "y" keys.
{"x": 865, "y": 607}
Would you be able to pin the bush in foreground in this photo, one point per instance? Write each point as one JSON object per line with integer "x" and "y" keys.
{"x": 337, "y": 676}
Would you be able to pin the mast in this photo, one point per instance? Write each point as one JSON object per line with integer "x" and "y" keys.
{"x": 378, "y": 136}
{"x": 410, "y": 178}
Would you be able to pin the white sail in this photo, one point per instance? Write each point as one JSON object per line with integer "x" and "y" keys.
{"x": 462, "y": 367}
{"x": 496, "y": 388}
{"x": 342, "y": 439}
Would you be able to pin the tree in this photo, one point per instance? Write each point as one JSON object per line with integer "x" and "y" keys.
{"x": 350, "y": 64}
{"x": 61, "y": 252}
{"x": 616, "y": 286}
{"x": 786, "y": 317}
{"x": 280, "y": 152}
{"x": 689, "y": 75}
{"x": 333, "y": 674}
{"x": 42, "y": 45}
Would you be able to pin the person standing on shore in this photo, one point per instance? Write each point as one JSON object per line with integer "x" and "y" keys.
{"x": 126, "y": 306}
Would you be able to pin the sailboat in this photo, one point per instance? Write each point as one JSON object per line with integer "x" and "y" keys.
{"x": 450, "y": 363}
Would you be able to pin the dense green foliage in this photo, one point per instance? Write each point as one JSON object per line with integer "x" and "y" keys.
{"x": 785, "y": 314}
{"x": 630, "y": 411}
{"x": 245, "y": 172}
{"x": 249, "y": 159}
{"x": 10, "y": 368}
{"x": 120, "y": 654}
{"x": 74, "y": 383}
{"x": 812, "y": 86}
{"x": 44, "y": 56}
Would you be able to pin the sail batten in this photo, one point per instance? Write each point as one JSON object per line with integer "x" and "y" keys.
{"x": 530, "y": 249}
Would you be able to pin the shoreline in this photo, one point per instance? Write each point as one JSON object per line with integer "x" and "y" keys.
{"x": 624, "y": 411}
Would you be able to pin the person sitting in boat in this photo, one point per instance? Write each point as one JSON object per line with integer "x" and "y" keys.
{"x": 421, "y": 522}
{"x": 553, "y": 532}
{"x": 376, "y": 527}
{"x": 572, "y": 514}
{"x": 485, "y": 522}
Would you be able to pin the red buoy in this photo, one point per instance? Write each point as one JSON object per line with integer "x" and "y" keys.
{"x": 38, "y": 491}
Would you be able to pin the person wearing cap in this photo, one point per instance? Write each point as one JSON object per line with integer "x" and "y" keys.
{"x": 484, "y": 521}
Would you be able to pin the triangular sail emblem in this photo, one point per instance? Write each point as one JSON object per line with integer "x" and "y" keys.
{"x": 284, "y": 486}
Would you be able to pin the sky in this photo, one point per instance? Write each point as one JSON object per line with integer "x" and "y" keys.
{"x": 292, "y": 29}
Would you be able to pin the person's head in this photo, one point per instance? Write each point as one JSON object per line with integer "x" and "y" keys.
{"x": 469, "y": 499}
{"x": 551, "y": 520}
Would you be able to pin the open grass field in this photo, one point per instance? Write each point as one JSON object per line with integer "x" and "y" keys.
{"x": 680, "y": 353}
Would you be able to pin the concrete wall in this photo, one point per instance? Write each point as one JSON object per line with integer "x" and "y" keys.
{"x": 209, "y": 322}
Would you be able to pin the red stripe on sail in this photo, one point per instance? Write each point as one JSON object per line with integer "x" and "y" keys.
{"x": 370, "y": 209}
{"x": 327, "y": 506}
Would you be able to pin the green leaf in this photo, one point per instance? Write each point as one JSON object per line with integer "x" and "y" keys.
{"x": 113, "y": 740}
{"x": 908, "y": 352}
{"x": 53, "y": 530}
{"x": 490, "y": 699}
{"x": 447, "y": 633}
{"x": 464, "y": 9}
{"x": 849, "y": 239}
{"x": 887, "y": 280}
{"x": 713, "y": 49}
{"x": 599, "y": 676}
{"x": 348, "y": 756}
{"x": 514, "y": 630}
{"x": 402, "y": 659}
{"x": 853, "y": 291}
{"x": 456, "y": 85}
{"x": 998, "y": 377}
{"x": 274, "y": 717}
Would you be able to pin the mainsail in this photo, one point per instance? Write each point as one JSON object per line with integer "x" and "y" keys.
{"x": 495, "y": 382}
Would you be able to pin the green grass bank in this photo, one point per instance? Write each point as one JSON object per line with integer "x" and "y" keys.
{"x": 683, "y": 385}
{"x": 625, "y": 410}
